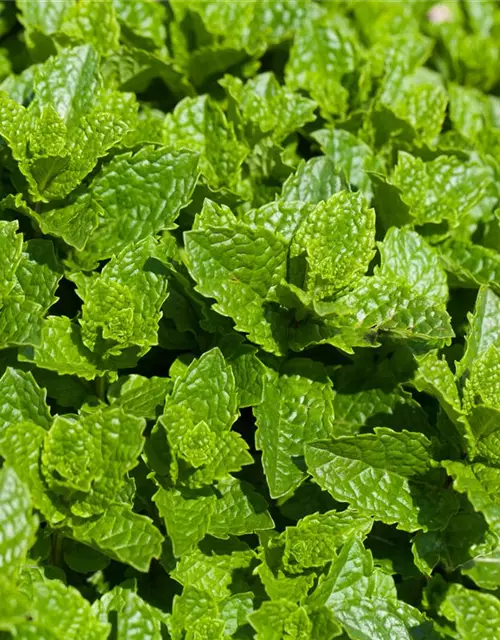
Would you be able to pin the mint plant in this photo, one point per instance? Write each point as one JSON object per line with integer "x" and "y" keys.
{"x": 249, "y": 320}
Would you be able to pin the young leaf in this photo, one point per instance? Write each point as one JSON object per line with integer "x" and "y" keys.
{"x": 237, "y": 267}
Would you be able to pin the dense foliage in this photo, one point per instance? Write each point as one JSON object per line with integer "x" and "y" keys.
{"x": 249, "y": 320}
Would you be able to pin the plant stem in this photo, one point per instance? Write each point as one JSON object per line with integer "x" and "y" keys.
{"x": 56, "y": 554}
{"x": 100, "y": 386}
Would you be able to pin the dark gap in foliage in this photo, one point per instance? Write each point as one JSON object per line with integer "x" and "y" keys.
{"x": 69, "y": 303}
{"x": 306, "y": 148}
{"x": 157, "y": 361}
{"x": 158, "y": 95}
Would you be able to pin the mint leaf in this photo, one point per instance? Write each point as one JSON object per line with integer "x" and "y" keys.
{"x": 398, "y": 463}
{"x": 283, "y": 428}
{"x": 443, "y": 189}
{"x": 351, "y": 154}
{"x": 140, "y": 396}
{"x": 212, "y": 567}
{"x": 18, "y": 524}
{"x": 363, "y": 599}
{"x": 158, "y": 182}
{"x": 408, "y": 259}
{"x": 482, "y": 331}
{"x": 122, "y": 304}
{"x": 237, "y": 267}
{"x": 238, "y": 510}
{"x": 61, "y": 349}
{"x": 473, "y": 613}
{"x": 122, "y": 534}
{"x": 333, "y": 262}
{"x": 198, "y": 124}
{"x": 22, "y": 399}
{"x": 187, "y": 515}
{"x": 267, "y": 108}
{"x": 321, "y": 68}
{"x": 314, "y": 181}
{"x": 71, "y": 613}
{"x": 21, "y": 449}
{"x": 135, "y": 616}
{"x": 281, "y": 618}
{"x": 91, "y": 456}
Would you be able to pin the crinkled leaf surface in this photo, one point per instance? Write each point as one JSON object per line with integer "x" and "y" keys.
{"x": 397, "y": 464}
{"x": 284, "y": 427}
{"x": 249, "y": 320}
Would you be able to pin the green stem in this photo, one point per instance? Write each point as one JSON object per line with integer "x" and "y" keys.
{"x": 100, "y": 387}
{"x": 56, "y": 554}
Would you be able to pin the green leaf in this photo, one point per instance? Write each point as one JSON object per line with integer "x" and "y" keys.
{"x": 186, "y": 514}
{"x": 22, "y": 448}
{"x": 434, "y": 376}
{"x": 322, "y": 55}
{"x": 69, "y": 83}
{"x": 334, "y": 260}
{"x": 419, "y": 99}
{"x": 284, "y": 427}
{"x": 21, "y": 399}
{"x": 18, "y": 525}
{"x": 483, "y": 329}
{"x": 140, "y": 396}
{"x": 375, "y": 408}
{"x": 281, "y": 619}
{"x": 42, "y": 18}
{"x": 56, "y": 610}
{"x": 315, "y": 538}
{"x": 481, "y": 484}
{"x": 74, "y": 223}
{"x": 93, "y": 22}
{"x": 406, "y": 258}
{"x": 195, "y": 612}
{"x": 211, "y": 566}
{"x": 470, "y": 111}
{"x": 314, "y": 181}
{"x": 92, "y": 455}
{"x": 483, "y": 384}
{"x": 442, "y": 189}
{"x": 279, "y": 582}
{"x": 237, "y": 266}
{"x": 142, "y": 22}
{"x": 140, "y": 194}
{"x": 37, "y": 277}
{"x": 471, "y": 264}
{"x": 378, "y": 306}
{"x": 198, "y": 124}
{"x": 280, "y": 216}
{"x": 121, "y": 534}
{"x": 350, "y": 154}
{"x": 61, "y": 349}
{"x": 398, "y": 464}
{"x": 351, "y": 576}
{"x": 198, "y": 417}
{"x": 11, "y": 244}
{"x": 239, "y": 510}
{"x": 466, "y": 543}
{"x": 266, "y": 108}
{"x": 248, "y": 372}
{"x": 363, "y": 599}
{"x": 135, "y": 617}
{"x": 122, "y": 304}
{"x": 474, "y": 614}
{"x": 205, "y": 393}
